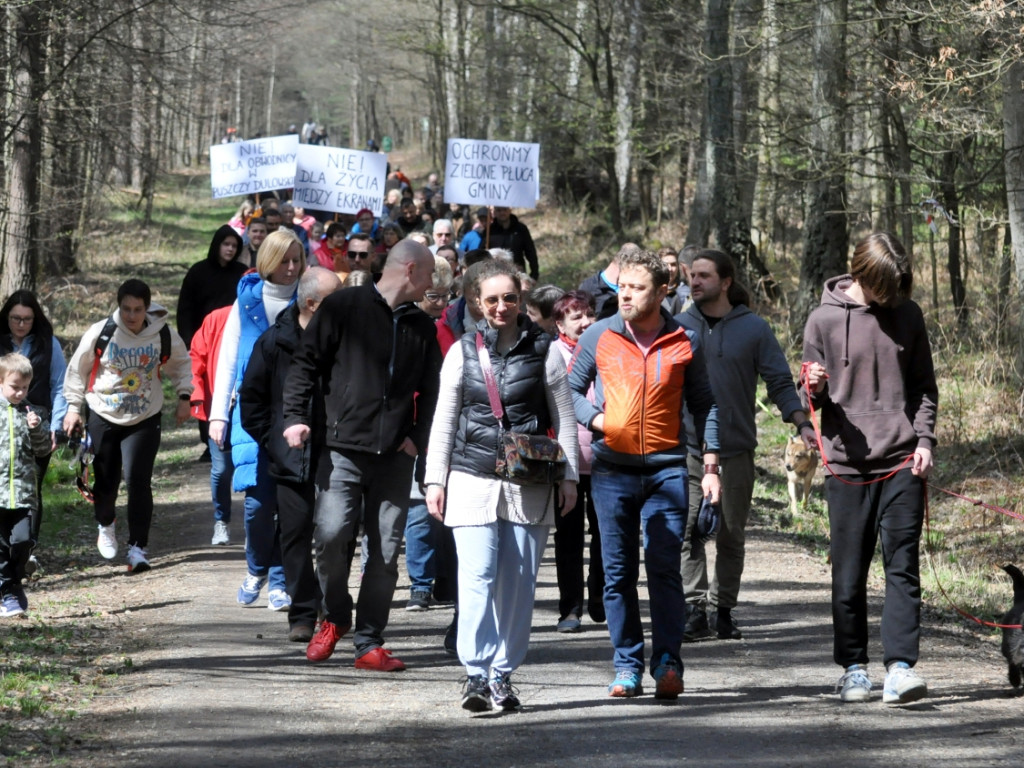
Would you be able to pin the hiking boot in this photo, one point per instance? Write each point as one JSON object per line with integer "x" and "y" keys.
{"x": 476, "y": 694}
{"x": 250, "y": 589}
{"x": 380, "y": 660}
{"x": 221, "y": 534}
{"x": 322, "y": 645}
{"x": 903, "y": 685}
{"x": 668, "y": 678}
{"x": 419, "y": 600}
{"x": 725, "y": 624}
{"x": 106, "y": 542}
{"x": 854, "y": 685}
{"x": 137, "y": 562}
{"x": 504, "y": 695}
{"x": 626, "y": 684}
{"x": 570, "y": 623}
{"x": 300, "y": 633}
{"x": 696, "y": 624}
{"x": 9, "y": 606}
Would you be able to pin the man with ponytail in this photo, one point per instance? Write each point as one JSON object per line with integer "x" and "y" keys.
{"x": 739, "y": 347}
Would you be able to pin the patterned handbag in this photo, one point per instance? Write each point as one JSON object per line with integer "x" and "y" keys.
{"x": 525, "y": 459}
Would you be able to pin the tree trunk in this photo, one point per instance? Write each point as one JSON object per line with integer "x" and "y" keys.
{"x": 826, "y": 232}
{"x": 626, "y": 90}
{"x": 1013, "y": 162}
{"x": 20, "y": 256}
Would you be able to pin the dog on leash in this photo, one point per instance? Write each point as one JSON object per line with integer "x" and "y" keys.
{"x": 801, "y": 465}
{"x": 1013, "y": 639}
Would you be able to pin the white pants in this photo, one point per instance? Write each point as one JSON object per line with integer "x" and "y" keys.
{"x": 498, "y": 565}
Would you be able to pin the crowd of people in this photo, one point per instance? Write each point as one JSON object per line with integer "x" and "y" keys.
{"x": 359, "y": 383}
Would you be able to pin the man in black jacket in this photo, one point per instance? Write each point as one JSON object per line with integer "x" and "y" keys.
{"x": 376, "y": 356}
{"x": 260, "y": 400}
{"x": 510, "y": 233}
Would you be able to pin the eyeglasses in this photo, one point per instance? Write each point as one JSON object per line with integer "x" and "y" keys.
{"x": 508, "y": 299}
{"x": 359, "y": 254}
{"x": 435, "y": 297}
{"x": 21, "y": 320}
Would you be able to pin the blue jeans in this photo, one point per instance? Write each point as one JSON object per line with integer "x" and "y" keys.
{"x": 221, "y": 470}
{"x": 262, "y": 536}
{"x": 654, "y": 500}
{"x": 421, "y": 537}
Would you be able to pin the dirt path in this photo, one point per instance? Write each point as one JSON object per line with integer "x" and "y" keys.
{"x": 216, "y": 684}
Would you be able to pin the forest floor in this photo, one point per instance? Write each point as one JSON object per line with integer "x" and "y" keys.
{"x": 191, "y": 678}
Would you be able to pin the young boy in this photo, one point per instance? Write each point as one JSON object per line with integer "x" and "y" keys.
{"x": 869, "y": 375}
{"x": 23, "y": 436}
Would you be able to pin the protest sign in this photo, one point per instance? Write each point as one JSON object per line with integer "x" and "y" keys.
{"x": 504, "y": 173}
{"x": 339, "y": 180}
{"x": 254, "y": 166}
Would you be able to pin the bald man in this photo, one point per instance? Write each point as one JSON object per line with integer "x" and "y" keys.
{"x": 374, "y": 350}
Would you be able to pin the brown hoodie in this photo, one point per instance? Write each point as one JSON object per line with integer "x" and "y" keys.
{"x": 880, "y": 400}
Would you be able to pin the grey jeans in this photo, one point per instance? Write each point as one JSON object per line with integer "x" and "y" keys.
{"x": 730, "y": 543}
{"x": 354, "y": 488}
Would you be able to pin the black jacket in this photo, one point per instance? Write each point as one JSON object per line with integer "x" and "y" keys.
{"x": 208, "y": 286}
{"x": 606, "y": 298}
{"x": 519, "y": 375}
{"x": 379, "y": 371}
{"x": 261, "y": 398}
{"x": 516, "y": 238}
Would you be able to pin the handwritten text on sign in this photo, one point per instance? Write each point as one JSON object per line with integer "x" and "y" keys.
{"x": 504, "y": 173}
{"x": 250, "y": 167}
{"x": 339, "y": 180}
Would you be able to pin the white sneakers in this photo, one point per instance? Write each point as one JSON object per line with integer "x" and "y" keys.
{"x": 902, "y": 684}
{"x": 137, "y": 562}
{"x": 106, "y": 542}
{"x": 221, "y": 534}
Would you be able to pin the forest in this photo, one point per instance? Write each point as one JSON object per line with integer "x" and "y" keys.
{"x": 777, "y": 130}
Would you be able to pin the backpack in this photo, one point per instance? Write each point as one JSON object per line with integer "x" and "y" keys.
{"x": 109, "y": 328}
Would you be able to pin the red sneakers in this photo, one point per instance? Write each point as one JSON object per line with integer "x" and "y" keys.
{"x": 322, "y": 645}
{"x": 379, "y": 660}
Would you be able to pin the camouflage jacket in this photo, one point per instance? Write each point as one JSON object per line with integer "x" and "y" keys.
{"x": 19, "y": 447}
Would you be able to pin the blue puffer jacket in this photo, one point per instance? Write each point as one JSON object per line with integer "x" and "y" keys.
{"x": 252, "y": 317}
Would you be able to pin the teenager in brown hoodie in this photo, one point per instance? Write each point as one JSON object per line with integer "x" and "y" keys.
{"x": 870, "y": 376}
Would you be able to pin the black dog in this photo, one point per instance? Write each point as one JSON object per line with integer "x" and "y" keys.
{"x": 1013, "y": 639}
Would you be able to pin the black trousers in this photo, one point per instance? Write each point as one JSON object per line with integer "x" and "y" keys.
{"x": 295, "y": 505}
{"x": 15, "y": 546}
{"x": 569, "y": 531}
{"x": 131, "y": 449}
{"x": 859, "y": 515}
{"x": 42, "y": 464}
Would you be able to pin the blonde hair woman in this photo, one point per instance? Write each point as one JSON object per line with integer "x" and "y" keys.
{"x": 262, "y": 295}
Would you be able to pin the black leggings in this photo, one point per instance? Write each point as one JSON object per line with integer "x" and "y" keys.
{"x": 133, "y": 448}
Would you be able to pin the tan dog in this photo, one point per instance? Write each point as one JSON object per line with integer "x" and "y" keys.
{"x": 801, "y": 466}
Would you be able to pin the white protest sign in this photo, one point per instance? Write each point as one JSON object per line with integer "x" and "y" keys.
{"x": 503, "y": 173}
{"x": 339, "y": 180}
{"x": 250, "y": 167}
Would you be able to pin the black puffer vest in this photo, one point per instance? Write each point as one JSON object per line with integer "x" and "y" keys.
{"x": 520, "y": 378}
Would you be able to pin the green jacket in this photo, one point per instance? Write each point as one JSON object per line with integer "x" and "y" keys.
{"x": 19, "y": 447}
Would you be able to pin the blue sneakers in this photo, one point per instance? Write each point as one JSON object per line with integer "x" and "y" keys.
{"x": 10, "y": 606}
{"x": 250, "y": 589}
{"x": 278, "y": 600}
{"x": 668, "y": 678}
{"x": 626, "y": 684}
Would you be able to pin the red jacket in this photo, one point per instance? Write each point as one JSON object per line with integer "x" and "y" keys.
{"x": 204, "y": 352}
